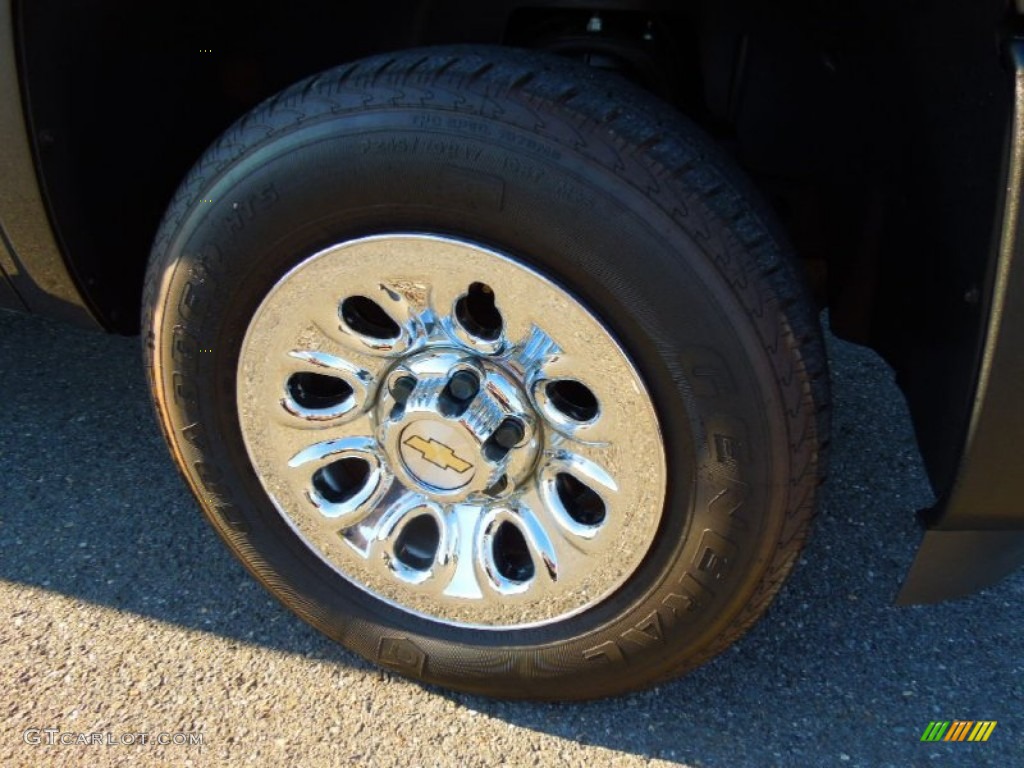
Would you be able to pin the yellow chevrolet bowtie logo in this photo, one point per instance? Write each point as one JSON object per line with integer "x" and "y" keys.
{"x": 438, "y": 454}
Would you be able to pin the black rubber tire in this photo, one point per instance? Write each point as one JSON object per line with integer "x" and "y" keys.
{"x": 610, "y": 194}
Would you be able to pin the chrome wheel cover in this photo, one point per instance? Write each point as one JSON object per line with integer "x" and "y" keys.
{"x": 451, "y": 432}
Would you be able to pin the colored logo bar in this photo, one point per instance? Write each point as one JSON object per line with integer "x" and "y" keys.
{"x": 959, "y": 730}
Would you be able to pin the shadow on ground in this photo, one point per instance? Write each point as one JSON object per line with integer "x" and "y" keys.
{"x": 92, "y": 508}
{"x": 91, "y": 505}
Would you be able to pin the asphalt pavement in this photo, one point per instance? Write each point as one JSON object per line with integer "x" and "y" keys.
{"x": 124, "y": 620}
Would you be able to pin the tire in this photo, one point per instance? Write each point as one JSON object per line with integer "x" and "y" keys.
{"x": 506, "y": 192}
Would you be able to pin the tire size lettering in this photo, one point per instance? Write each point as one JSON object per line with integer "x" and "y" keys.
{"x": 464, "y": 125}
{"x": 533, "y": 146}
{"x": 394, "y": 145}
{"x": 572, "y": 193}
{"x": 427, "y": 121}
{"x": 521, "y": 169}
{"x": 451, "y": 150}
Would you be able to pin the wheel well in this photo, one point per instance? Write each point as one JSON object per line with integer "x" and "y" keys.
{"x": 124, "y": 97}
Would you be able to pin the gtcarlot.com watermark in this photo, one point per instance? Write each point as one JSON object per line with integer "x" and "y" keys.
{"x": 55, "y": 737}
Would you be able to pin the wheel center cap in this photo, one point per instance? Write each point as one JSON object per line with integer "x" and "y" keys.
{"x": 453, "y": 425}
{"x": 438, "y": 454}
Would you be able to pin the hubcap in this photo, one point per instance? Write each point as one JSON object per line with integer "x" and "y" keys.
{"x": 451, "y": 432}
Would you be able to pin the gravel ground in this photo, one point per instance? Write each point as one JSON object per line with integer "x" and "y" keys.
{"x": 121, "y": 614}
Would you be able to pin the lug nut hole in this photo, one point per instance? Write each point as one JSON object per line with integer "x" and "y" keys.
{"x": 477, "y": 313}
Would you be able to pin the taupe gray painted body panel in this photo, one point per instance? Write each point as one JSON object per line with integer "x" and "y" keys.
{"x": 32, "y": 258}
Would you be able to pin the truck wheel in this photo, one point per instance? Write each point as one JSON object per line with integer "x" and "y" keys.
{"x": 490, "y": 367}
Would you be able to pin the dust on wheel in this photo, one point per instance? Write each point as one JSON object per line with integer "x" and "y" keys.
{"x": 442, "y": 476}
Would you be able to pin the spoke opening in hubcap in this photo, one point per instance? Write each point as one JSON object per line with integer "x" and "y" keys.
{"x": 511, "y": 554}
{"x": 341, "y": 480}
{"x": 317, "y": 391}
{"x": 572, "y": 399}
{"x": 417, "y": 544}
{"x": 367, "y": 317}
{"x": 580, "y": 501}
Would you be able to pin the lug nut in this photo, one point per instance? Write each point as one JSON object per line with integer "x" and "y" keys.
{"x": 503, "y": 439}
{"x": 508, "y": 434}
{"x": 401, "y": 388}
{"x": 463, "y": 385}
